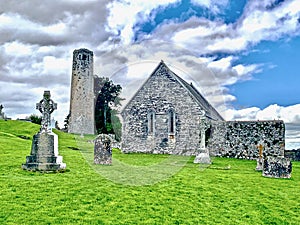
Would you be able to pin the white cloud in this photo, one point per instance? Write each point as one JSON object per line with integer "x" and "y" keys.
{"x": 17, "y": 48}
{"x": 124, "y": 15}
{"x": 289, "y": 114}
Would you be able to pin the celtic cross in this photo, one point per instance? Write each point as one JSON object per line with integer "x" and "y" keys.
{"x": 46, "y": 106}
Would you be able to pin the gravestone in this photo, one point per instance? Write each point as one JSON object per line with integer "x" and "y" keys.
{"x": 44, "y": 150}
{"x": 2, "y": 117}
{"x": 277, "y": 167}
{"x": 259, "y": 161}
{"x": 203, "y": 155}
{"x": 102, "y": 150}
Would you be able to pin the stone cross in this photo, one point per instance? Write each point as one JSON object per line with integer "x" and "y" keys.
{"x": 204, "y": 125}
{"x": 46, "y": 106}
{"x": 259, "y": 165}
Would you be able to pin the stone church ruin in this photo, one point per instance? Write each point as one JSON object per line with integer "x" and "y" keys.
{"x": 166, "y": 114}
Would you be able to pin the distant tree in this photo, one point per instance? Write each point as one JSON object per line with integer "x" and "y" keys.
{"x": 106, "y": 118}
{"x": 57, "y": 126}
{"x": 35, "y": 119}
{"x": 66, "y": 122}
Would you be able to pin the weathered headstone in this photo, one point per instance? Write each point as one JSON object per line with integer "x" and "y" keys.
{"x": 277, "y": 167}
{"x": 102, "y": 150}
{"x": 2, "y": 116}
{"x": 203, "y": 156}
{"x": 259, "y": 161}
{"x": 44, "y": 151}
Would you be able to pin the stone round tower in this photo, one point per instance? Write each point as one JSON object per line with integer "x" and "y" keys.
{"x": 82, "y": 107}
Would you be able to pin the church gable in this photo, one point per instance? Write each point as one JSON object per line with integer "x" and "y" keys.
{"x": 162, "y": 116}
{"x": 163, "y": 82}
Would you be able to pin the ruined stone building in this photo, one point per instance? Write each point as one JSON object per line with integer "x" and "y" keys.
{"x": 164, "y": 116}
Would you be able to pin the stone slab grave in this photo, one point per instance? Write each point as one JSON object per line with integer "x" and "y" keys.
{"x": 277, "y": 167}
{"x": 102, "y": 150}
{"x": 44, "y": 150}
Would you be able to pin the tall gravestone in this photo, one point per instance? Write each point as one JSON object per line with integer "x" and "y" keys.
{"x": 2, "y": 116}
{"x": 203, "y": 155}
{"x": 260, "y": 161}
{"x": 82, "y": 106}
{"x": 44, "y": 150}
{"x": 102, "y": 150}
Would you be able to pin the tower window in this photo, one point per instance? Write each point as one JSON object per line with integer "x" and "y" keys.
{"x": 84, "y": 57}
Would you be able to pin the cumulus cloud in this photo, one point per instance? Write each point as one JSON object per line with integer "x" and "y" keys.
{"x": 122, "y": 24}
{"x": 36, "y": 43}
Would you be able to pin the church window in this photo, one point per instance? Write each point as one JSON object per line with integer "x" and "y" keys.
{"x": 151, "y": 122}
{"x": 171, "y": 121}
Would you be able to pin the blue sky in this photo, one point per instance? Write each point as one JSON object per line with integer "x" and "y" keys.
{"x": 276, "y": 82}
{"x": 243, "y": 55}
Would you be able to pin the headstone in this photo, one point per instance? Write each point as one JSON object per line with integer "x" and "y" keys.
{"x": 203, "y": 156}
{"x": 277, "y": 167}
{"x": 44, "y": 150}
{"x": 2, "y": 117}
{"x": 102, "y": 150}
{"x": 259, "y": 161}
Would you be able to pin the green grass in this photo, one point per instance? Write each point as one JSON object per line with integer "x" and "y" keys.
{"x": 82, "y": 195}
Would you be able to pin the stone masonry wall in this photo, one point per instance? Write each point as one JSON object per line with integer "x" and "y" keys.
{"x": 161, "y": 93}
{"x": 240, "y": 139}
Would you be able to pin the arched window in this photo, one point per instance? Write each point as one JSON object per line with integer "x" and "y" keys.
{"x": 151, "y": 122}
{"x": 171, "y": 120}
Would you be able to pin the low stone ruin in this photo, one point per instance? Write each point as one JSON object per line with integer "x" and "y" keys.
{"x": 239, "y": 139}
{"x": 44, "y": 151}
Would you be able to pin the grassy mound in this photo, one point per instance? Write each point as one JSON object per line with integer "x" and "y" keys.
{"x": 229, "y": 191}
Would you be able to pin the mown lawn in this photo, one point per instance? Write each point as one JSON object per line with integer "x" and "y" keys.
{"x": 229, "y": 191}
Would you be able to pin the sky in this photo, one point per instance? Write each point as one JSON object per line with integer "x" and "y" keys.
{"x": 243, "y": 56}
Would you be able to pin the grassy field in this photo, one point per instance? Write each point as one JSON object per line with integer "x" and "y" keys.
{"x": 229, "y": 191}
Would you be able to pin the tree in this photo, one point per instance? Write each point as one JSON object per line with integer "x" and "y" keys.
{"x": 35, "y": 119}
{"x": 107, "y": 94}
{"x": 66, "y": 122}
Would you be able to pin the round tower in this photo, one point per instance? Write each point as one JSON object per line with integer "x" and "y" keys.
{"x": 82, "y": 107}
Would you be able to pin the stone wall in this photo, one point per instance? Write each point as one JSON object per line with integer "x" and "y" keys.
{"x": 240, "y": 139}
{"x": 160, "y": 94}
{"x": 293, "y": 155}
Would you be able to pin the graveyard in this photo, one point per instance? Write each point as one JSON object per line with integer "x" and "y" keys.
{"x": 228, "y": 191}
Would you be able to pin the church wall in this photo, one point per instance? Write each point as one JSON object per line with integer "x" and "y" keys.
{"x": 161, "y": 93}
{"x": 240, "y": 139}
